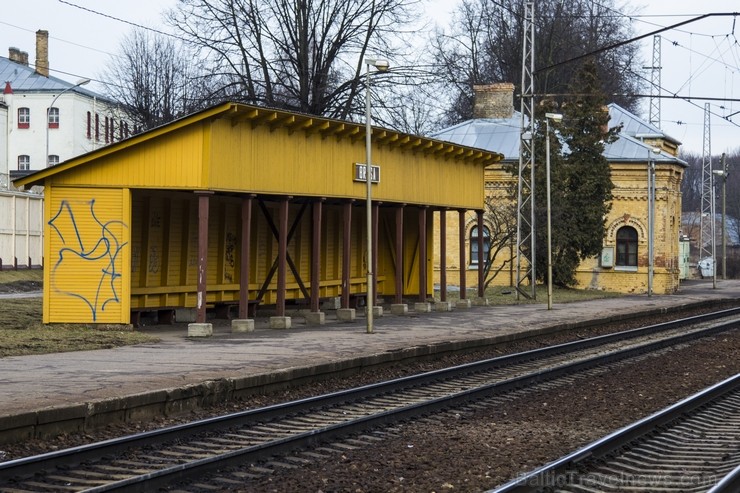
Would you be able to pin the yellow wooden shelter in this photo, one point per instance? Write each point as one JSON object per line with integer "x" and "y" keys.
{"x": 240, "y": 205}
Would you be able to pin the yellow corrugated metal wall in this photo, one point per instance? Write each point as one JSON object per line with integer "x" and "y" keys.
{"x": 87, "y": 246}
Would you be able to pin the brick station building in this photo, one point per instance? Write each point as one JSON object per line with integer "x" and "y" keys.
{"x": 497, "y": 126}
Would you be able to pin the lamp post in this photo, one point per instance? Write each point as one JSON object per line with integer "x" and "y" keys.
{"x": 722, "y": 173}
{"x": 79, "y": 83}
{"x": 381, "y": 66}
{"x": 651, "y": 216}
{"x": 555, "y": 117}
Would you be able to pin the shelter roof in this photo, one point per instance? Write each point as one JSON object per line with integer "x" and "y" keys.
{"x": 273, "y": 119}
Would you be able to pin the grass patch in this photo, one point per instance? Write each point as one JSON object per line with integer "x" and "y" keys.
{"x": 22, "y": 333}
{"x": 8, "y": 276}
{"x": 45, "y": 340}
{"x": 506, "y": 295}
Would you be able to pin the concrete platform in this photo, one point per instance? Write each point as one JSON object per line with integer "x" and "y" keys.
{"x": 45, "y": 394}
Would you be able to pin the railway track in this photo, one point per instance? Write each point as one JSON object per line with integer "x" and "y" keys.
{"x": 693, "y": 445}
{"x": 154, "y": 459}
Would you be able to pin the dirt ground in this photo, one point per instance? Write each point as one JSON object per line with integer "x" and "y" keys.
{"x": 476, "y": 451}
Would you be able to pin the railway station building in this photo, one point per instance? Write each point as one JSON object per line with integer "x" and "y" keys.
{"x": 624, "y": 263}
{"x": 238, "y": 206}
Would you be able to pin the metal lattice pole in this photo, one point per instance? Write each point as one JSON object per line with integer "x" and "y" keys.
{"x": 525, "y": 224}
{"x": 655, "y": 84}
{"x": 707, "y": 219}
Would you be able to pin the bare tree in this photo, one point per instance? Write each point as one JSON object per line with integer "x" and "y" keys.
{"x": 691, "y": 183}
{"x": 300, "y": 55}
{"x": 484, "y": 44}
{"x": 156, "y": 79}
{"x": 500, "y": 217}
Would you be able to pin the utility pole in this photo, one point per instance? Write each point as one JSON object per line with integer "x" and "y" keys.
{"x": 706, "y": 240}
{"x": 655, "y": 84}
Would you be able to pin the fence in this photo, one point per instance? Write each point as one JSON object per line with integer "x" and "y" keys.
{"x": 21, "y": 230}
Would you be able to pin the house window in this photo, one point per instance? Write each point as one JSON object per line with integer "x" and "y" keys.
{"x": 89, "y": 125}
{"x": 53, "y": 117}
{"x": 53, "y": 160}
{"x": 474, "y": 245}
{"x": 97, "y": 127}
{"x": 24, "y": 117}
{"x": 24, "y": 162}
{"x": 627, "y": 247}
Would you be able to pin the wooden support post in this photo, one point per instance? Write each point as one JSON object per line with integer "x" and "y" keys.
{"x": 481, "y": 259}
{"x": 463, "y": 263}
{"x": 443, "y": 255}
{"x": 423, "y": 254}
{"x": 282, "y": 257}
{"x": 245, "y": 256}
{"x": 346, "y": 253}
{"x": 399, "y": 255}
{"x": 375, "y": 220}
{"x": 316, "y": 256}
{"x": 203, "y": 207}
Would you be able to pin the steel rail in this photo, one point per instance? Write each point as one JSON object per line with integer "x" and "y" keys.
{"x": 555, "y": 474}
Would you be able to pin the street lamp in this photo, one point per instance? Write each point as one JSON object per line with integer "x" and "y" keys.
{"x": 381, "y": 66}
{"x": 79, "y": 83}
{"x": 555, "y": 117}
{"x": 722, "y": 173}
{"x": 651, "y": 215}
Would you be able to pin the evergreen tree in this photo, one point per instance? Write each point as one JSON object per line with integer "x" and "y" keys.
{"x": 580, "y": 179}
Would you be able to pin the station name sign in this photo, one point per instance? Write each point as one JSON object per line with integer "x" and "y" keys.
{"x": 361, "y": 173}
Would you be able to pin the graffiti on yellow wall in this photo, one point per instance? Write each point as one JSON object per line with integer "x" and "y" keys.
{"x": 86, "y": 250}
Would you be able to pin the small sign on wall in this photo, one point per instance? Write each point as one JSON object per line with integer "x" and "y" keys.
{"x": 607, "y": 257}
{"x": 361, "y": 172}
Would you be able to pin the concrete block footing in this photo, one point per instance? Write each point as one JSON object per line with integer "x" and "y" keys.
{"x": 346, "y": 314}
{"x": 462, "y": 304}
{"x": 200, "y": 330}
{"x": 279, "y": 322}
{"x": 480, "y": 302}
{"x": 399, "y": 309}
{"x": 315, "y": 318}
{"x": 443, "y": 306}
{"x": 377, "y": 311}
{"x": 423, "y": 307}
{"x": 242, "y": 325}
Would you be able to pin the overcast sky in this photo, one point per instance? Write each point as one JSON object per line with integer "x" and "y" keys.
{"x": 700, "y": 59}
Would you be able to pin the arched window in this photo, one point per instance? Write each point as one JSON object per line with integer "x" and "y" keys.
{"x": 53, "y": 160}
{"x": 627, "y": 246}
{"x": 53, "y": 117}
{"x": 474, "y": 244}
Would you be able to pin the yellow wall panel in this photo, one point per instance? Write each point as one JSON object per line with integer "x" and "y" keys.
{"x": 261, "y": 160}
{"x": 174, "y": 162}
{"x": 87, "y": 234}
